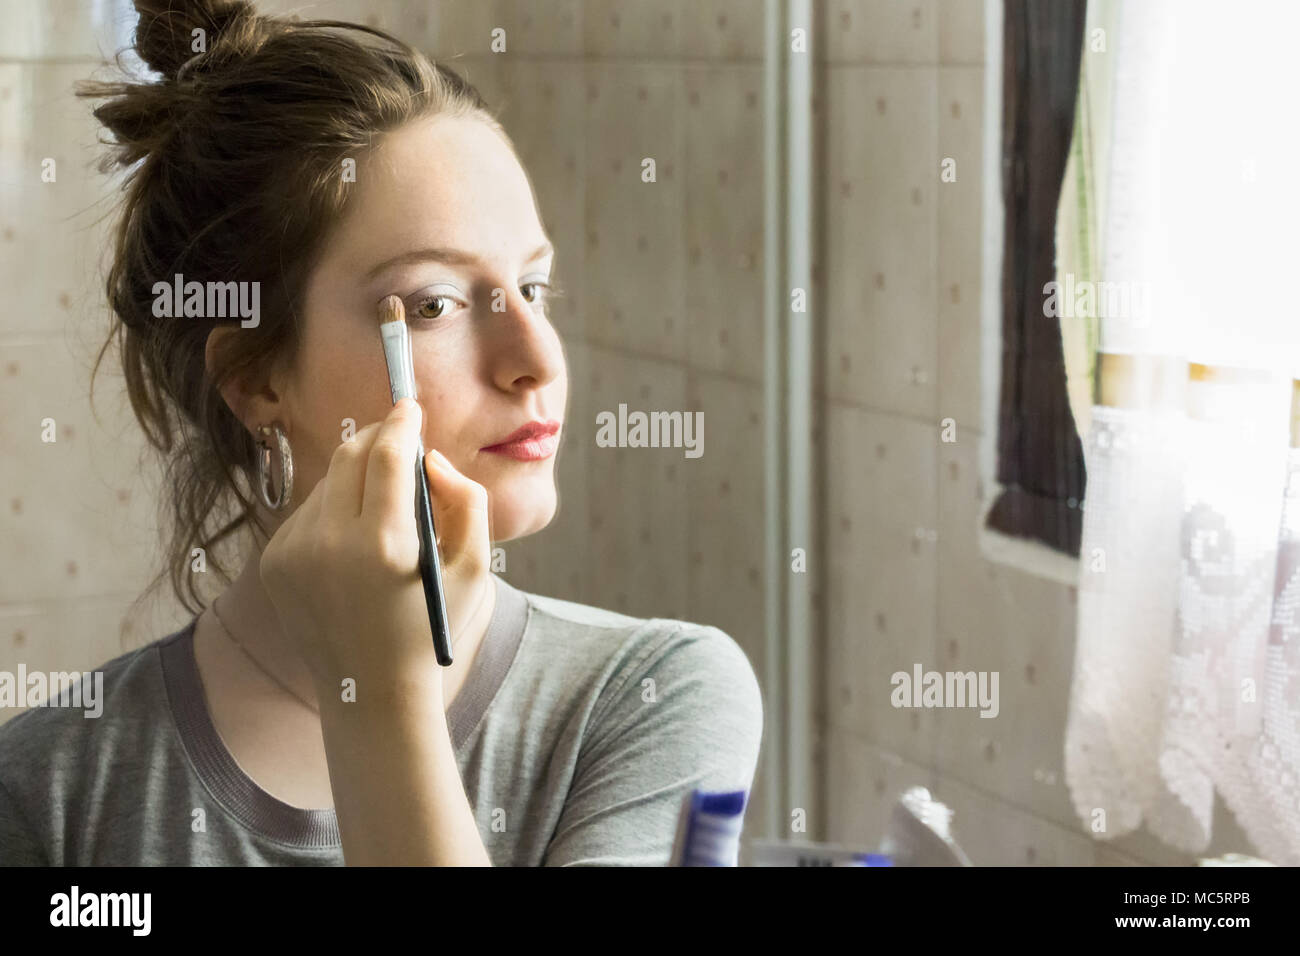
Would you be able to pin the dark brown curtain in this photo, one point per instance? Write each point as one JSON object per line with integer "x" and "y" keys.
{"x": 1040, "y": 459}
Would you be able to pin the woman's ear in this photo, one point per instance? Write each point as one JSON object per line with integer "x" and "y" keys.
{"x": 254, "y": 401}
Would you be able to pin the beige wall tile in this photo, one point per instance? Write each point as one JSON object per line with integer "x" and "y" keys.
{"x": 960, "y": 203}
{"x": 961, "y": 31}
{"x": 51, "y": 233}
{"x": 635, "y": 256}
{"x": 1023, "y": 627}
{"x": 448, "y": 29}
{"x": 722, "y": 30}
{"x": 724, "y": 492}
{"x": 881, "y": 595}
{"x": 78, "y": 510}
{"x": 995, "y": 618}
{"x": 637, "y": 531}
{"x": 553, "y": 28}
{"x": 724, "y": 219}
{"x": 464, "y": 27}
{"x": 878, "y": 31}
{"x": 631, "y": 28}
{"x": 881, "y": 246}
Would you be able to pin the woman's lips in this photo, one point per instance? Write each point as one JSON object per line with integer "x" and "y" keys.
{"x": 533, "y": 442}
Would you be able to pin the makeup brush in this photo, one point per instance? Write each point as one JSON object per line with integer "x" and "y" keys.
{"x": 396, "y": 338}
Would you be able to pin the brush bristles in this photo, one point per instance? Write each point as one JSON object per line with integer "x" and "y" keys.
{"x": 391, "y": 310}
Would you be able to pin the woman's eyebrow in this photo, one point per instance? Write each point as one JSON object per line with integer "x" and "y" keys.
{"x": 449, "y": 256}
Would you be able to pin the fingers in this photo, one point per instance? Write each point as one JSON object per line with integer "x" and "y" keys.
{"x": 388, "y": 498}
{"x": 460, "y": 514}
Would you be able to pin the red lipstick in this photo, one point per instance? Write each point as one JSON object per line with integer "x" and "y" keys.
{"x": 532, "y": 442}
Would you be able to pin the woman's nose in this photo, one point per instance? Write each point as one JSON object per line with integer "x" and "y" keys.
{"x": 524, "y": 347}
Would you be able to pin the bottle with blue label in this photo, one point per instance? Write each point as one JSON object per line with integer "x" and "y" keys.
{"x": 708, "y": 829}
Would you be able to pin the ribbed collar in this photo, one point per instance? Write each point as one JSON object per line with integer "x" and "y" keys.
{"x": 295, "y": 826}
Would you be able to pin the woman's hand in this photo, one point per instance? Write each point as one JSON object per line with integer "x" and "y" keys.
{"x": 343, "y": 573}
{"x": 343, "y": 570}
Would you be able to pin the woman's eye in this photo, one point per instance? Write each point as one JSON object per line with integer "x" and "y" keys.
{"x": 542, "y": 289}
{"x": 434, "y": 307}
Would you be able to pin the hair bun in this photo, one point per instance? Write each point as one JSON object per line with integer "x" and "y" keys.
{"x": 165, "y": 38}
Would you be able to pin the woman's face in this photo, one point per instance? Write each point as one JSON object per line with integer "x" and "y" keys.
{"x": 444, "y": 217}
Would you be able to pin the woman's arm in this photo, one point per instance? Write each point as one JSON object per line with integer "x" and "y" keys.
{"x": 343, "y": 574}
{"x": 688, "y": 715}
{"x": 397, "y": 791}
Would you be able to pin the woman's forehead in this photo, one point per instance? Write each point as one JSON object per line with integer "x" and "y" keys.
{"x": 446, "y": 181}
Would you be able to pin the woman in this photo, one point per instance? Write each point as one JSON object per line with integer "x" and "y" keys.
{"x": 301, "y": 718}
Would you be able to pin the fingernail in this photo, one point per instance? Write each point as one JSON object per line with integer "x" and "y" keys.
{"x": 439, "y": 459}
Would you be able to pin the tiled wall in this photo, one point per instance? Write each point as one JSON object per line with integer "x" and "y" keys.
{"x": 76, "y": 514}
{"x": 662, "y": 312}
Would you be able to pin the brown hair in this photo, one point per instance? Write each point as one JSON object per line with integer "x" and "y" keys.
{"x": 234, "y": 166}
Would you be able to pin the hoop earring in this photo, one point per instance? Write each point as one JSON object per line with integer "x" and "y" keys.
{"x": 264, "y": 466}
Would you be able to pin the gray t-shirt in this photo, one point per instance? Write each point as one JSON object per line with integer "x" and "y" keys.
{"x": 577, "y": 734}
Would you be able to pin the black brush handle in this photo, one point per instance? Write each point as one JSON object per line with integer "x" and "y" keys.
{"x": 431, "y": 566}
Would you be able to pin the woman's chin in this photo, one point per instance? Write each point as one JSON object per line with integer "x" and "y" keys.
{"x": 517, "y": 513}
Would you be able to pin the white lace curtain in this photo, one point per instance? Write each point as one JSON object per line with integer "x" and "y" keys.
{"x": 1187, "y": 666}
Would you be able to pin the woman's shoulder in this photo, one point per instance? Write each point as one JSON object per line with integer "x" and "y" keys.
{"x": 693, "y": 659}
{"x": 580, "y": 616}
{"x": 68, "y": 710}
{"x": 79, "y": 751}
{"x": 601, "y": 625}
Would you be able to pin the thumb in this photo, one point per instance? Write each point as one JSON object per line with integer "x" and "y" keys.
{"x": 460, "y": 512}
